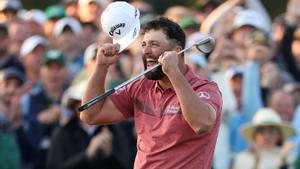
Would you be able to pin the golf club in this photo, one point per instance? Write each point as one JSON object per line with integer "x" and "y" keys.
{"x": 205, "y": 45}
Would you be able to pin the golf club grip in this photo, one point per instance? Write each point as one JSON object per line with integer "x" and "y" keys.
{"x": 96, "y": 100}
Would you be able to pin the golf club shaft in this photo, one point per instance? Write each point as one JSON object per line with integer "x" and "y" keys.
{"x": 111, "y": 91}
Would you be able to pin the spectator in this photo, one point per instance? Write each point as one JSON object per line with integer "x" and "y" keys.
{"x": 66, "y": 36}
{"x": 71, "y": 8}
{"x": 41, "y": 110}
{"x": 11, "y": 81}
{"x": 9, "y": 10}
{"x": 31, "y": 54}
{"x": 53, "y": 13}
{"x": 6, "y": 59}
{"x": 78, "y": 145}
{"x": 89, "y": 10}
{"x": 266, "y": 134}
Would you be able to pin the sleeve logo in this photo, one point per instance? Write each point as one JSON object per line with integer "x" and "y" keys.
{"x": 204, "y": 95}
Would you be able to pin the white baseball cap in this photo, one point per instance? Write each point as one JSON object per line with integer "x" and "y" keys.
{"x": 35, "y": 15}
{"x": 31, "y": 43}
{"x": 251, "y": 18}
{"x": 10, "y": 4}
{"x": 67, "y": 21}
{"x": 90, "y": 53}
{"x": 120, "y": 20}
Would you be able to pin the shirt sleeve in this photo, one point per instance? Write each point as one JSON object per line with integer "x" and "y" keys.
{"x": 122, "y": 100}
{"x": 210, "y": 94}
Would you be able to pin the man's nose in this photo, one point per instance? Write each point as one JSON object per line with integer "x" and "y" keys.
{"x": 146, "y": 49}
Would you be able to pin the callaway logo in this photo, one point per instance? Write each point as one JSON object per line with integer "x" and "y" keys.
{"x": 112, "y": 29}
{"x": 135, "y": 13}
{"x": 134, "y": 33}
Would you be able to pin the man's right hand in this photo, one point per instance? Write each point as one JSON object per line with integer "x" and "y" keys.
{"x": 107, "y": 54}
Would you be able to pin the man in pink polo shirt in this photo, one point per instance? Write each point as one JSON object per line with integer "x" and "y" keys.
{"x": 177, "y": 114}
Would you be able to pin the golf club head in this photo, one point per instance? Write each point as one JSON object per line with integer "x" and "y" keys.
{"x": 207, "y": 45}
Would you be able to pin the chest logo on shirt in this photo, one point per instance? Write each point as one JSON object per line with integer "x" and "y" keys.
{"x": 204, "y": 95}
{"x": 172, "y": 109}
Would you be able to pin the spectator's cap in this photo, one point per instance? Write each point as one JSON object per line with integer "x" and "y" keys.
{"x": 35, "y": 15}
{"x": 258, "y": 37}
{"x": 120, "y": 21}
{"x": 54, "y": 56}
{"x": 84, "y": 2}
{"x": 10, "y": 4}
{"x": 63, "y": 23}
{"x": 266, "y": 117}
{"x": 90, "y": 53}
{"x": 197, "y": 58}
{"x": 188, "y": 22}
{"x": 55, "y": 12}
{"x": 31, "y": 43}
{"x": 249, "y": 18}
{"x": 234, "y": 71}
{"x": 13, "y": 73}
{"x": 76, "y": 91}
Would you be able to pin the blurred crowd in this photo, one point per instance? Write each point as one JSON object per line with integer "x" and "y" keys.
{"x": 47, "y": 56}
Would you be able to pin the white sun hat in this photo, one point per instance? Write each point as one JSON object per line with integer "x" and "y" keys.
{"x": 74, "y": 24}
{"x": 266, "y": 117}
{"x": 31, "y": 43}
{"x": 121, "y": 22}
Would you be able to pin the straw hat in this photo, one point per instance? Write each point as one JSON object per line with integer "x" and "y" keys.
{"x": 266, "y": 117}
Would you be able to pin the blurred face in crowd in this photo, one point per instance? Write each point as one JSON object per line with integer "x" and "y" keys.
{"x": 267, "y": 137}
{"x": 8, "y": 14}
{"x": 18, "y": 31}
{"x": 239, "y": 36}
{"x": 296, "y": 47}
{"x": 49, "y": 26}
{"x": 154, "y": 44}
{"x": 33, "y": 60}
{"x": 88, "y": 35}
{"x": 53, "y": 75}
{"x": 71, "y": 9}
{"x": 67, "y": 40}
{"x": 89, "y": 12}
{"x": 283, "y": 103}
{"x": 8, "y": 87}
{"x": 270, "y": 76}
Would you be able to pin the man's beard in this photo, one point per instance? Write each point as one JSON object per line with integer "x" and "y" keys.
{"x": 155, "y": 74}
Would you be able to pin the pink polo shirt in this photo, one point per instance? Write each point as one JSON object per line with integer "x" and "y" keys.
{"x": 164, "y": 139}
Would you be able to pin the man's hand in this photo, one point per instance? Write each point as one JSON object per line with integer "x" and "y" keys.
{"x": 169, "y": 62}
{"x": 107, "y": 54}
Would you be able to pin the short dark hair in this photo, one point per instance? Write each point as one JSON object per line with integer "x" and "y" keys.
{"x": 170, "y": 28}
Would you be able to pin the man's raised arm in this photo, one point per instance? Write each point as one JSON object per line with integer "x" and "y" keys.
{"x": 105, "y": 111}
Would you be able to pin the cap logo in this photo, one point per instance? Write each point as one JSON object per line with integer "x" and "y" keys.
{"x": 112, "y": 29}
{"x": 135, "y": 13}
{"x": 134, "y": 33}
